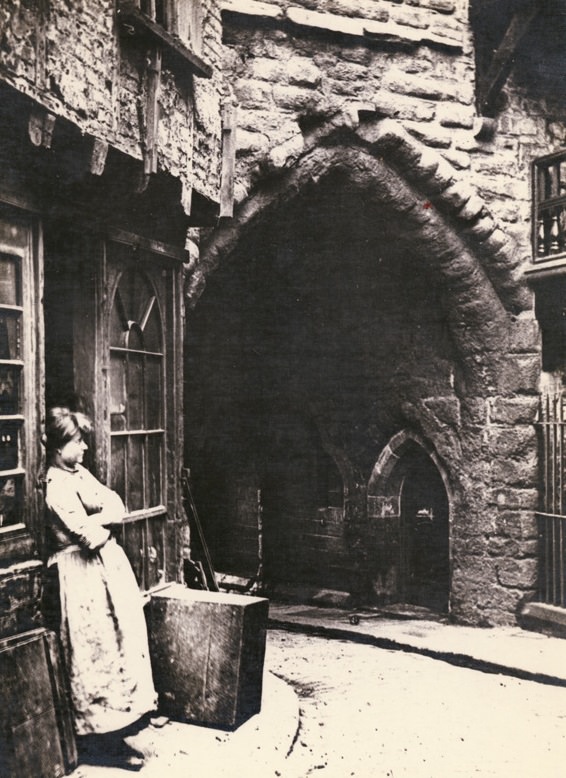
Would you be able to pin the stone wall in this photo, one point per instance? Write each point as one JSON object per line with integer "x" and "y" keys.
{"x": 294, "y": 70}
{"x": 71, "y": 58}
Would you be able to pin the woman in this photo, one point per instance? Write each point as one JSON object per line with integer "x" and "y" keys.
{"x": 102, "y": 625}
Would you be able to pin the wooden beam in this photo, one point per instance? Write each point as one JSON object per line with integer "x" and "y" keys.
{"x": 98, "y": 157}
{"x": 136, "y": 22}
{"x": 152, "y": 110}
{"x": 228, "y": 161}
{"x": 491, "y": 83}
{"x": 40, "y": 128}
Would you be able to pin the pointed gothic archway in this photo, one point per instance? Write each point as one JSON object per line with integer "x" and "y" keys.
{"x": 424, "y": 224}
{"x": 409, "y": 478}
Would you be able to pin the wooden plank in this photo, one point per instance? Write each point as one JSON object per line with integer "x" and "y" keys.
{"x": 228, "y": 161}
{"x": 133, "y": 18}
{"x": 40, "y": 128}
{"x": 31, "y": 741}
{"x": 98, "y": 156}
{"x": 152, "y": 111}
{"x": 61, "y": 701}
{"x": 490, "y": 84}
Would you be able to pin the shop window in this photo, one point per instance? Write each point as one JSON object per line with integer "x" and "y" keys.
{"x": 549, "y": 218}
{"x": 19, "y": 435}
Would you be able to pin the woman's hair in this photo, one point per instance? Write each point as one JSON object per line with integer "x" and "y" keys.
{"x": 61, "y": 425}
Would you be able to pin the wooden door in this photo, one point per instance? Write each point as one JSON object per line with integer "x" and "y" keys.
{"x": 142, "y": 401}
{"x": 424, "y": 535}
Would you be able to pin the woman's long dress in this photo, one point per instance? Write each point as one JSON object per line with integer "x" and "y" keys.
{"x": 103, "y": 630}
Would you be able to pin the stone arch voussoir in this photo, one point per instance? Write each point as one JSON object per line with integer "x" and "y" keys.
{"x": 386, "y": 477}
{"x": 460, "y": 240}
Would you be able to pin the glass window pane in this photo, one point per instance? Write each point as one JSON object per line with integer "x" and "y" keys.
{"x": 153, "y": 393}
{"x": 118, "y": 324}
{"x": 9, "y": 389}
{"x": 136, "y": 479}
{"x": 152, "y": 330}
{"x": 10, "y": 501}
{"x": 10, "y": 336}
{"x": 9, "y": 280}
{"x": 9, "y": 445}
{"x": 135, "y": 392}
{"x": 135, "y": 338}
{"x": 118, "y": 467}
{"x": 118, "y": 392}
{"x": 154, "y": 468}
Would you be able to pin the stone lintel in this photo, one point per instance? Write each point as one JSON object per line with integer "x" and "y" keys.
{"x": 253, "y": 8}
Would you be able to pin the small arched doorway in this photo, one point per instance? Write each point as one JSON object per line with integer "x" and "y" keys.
{"x": 424, "y": 534}
{"x": 408, "y": 495}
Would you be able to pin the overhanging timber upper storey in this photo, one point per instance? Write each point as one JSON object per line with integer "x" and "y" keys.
{"x": 134, "y": 21}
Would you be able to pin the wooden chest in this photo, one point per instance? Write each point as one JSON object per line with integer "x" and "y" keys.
{"x": 207, "y": 651}
{"x": 36, "y": 730}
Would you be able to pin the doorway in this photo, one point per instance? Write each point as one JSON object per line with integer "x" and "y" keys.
{"x": 424, "y": 534}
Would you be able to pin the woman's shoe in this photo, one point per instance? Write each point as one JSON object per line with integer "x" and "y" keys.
{"x": 109, "y": 751}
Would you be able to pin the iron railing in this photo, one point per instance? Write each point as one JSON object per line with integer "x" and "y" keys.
{"x": 552, "y": 519}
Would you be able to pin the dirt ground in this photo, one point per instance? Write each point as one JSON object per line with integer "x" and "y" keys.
{"x": 373, "y": 713}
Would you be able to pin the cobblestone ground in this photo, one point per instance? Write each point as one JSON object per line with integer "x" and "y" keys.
{"x": 372, "y": 713}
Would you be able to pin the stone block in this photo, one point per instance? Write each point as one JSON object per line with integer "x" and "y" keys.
{"x": 519, "y": 373}
{"x": 459, "y": 159}
{"x": 524, "y": 334}
{"x": 513, "y": 411}
{"x": 442, "y": 6}
{"x": 302, "y": 72}
{"x": 454, "y": 115}
{"x": 253, "y": 93}
{"x": 326, "y": 21}
{"x": 414, "y": 85}
{"x": 250, "y": 142}
{"x": 515, "y": 442}
{"x": 265, "y": 69}
{"x": 295, "y": 98}
{"x": 432, "y": 134}
{"x": 518, "y": 573}
{"x": 514, "y": 498}
{"x": 368, "y": 9}
{"x": 517, "y": 473}
{"x": 410, "y": 17}
{"x": 400, "y": 107}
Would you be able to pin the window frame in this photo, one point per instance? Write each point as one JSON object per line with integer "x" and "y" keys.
{"x": 177, "y": 51}
{"x": 131, "y": 432}
{"x": 19, "y": 541}
{"x": 541, "y": 204}
{"x": 163, "y": 264}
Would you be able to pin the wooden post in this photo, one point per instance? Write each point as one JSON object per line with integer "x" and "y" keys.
{"x": 40, "y": 128}
{"x": 152, "y": 110}
{"x": 98, "y": 157}
{"x": 228, "y": 161}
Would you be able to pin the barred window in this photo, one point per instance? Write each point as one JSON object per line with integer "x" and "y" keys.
{"x": 549, "y": 192}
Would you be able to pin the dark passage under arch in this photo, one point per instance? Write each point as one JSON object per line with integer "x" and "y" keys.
{"x": 424, "y": 534}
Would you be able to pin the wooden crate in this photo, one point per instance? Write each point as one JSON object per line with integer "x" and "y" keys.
{"x": 36, "y": 730}
{"x": 207, "y": 651}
